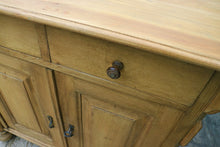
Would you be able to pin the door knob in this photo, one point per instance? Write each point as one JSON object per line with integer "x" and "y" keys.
{"x": 114, "y": 71}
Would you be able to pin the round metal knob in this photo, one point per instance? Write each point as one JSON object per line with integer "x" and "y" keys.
{"x": 114, "y": 71}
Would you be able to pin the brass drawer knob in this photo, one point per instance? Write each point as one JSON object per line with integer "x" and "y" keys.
{"x": 114, "y": 71}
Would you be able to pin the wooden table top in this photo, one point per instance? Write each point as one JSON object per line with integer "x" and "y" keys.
{"x": 188, "y": 30}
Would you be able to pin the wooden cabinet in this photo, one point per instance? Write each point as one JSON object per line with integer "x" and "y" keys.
{"x": 26, "y": 101}
{"x": 54, "y": 60}
{"x": 104, "y": 117}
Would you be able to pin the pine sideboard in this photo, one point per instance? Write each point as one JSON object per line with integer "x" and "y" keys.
{"x": 108, "y": 73}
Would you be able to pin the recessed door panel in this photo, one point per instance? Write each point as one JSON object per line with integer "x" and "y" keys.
{"x": 14, "y": 94}
{"x": 27, "y": 99}
{"x": 107, "y": 125}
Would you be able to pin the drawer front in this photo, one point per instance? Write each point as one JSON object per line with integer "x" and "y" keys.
{"x": 19, "y": 35}
{"x": 171, "y": 79}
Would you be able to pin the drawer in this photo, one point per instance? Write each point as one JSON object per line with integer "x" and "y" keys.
{"x": 173, "y": 80}
{"x": 19, "y": 35}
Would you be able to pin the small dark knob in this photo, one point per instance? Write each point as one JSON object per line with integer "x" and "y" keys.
{"x": 114, "y": 71}
{"x": 69, "y": 132}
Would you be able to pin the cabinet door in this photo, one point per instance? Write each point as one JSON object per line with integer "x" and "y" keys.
{"x": 26, "y": 101}
{"x": 106, "y": 118}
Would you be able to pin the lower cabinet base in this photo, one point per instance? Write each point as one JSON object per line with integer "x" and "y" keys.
{"x": 5, "y": 136}
{"x": 38, "y": 141}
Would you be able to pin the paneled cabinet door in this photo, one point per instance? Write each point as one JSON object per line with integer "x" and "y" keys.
{"x": 105, "y": 118}
{"x": 26, "y": 101}
{"x": 108, "y": 125}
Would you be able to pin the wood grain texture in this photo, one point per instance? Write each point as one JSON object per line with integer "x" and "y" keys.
{"x": 103, "y": 104}
{"x": 196, "y": 128}
{"x": 4, "y": 136}
{"x": 1, "y": 128}
{"x": 189, "y": 32}
{"x": 214, "y": 107}
{"x": 195, "y": 112}
{"x": 70, "y": 108}
{"x": 95, "y": 80}
{"x": 13, "y": 100}
{"x": 2, "y": 122}
{"x": 109, "y": 125}
{"x": 31, "y": 136}
{"x": 27, "y": 101}
{"x": 177, "y": 81}
{"x": 42, "y": 41}
{"x": 58, "y": 132}
{"x": 138, "y": 105}
{"x": 19, "y": 35}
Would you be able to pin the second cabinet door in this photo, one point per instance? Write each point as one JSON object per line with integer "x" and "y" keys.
{"x": 105, "y": 118}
